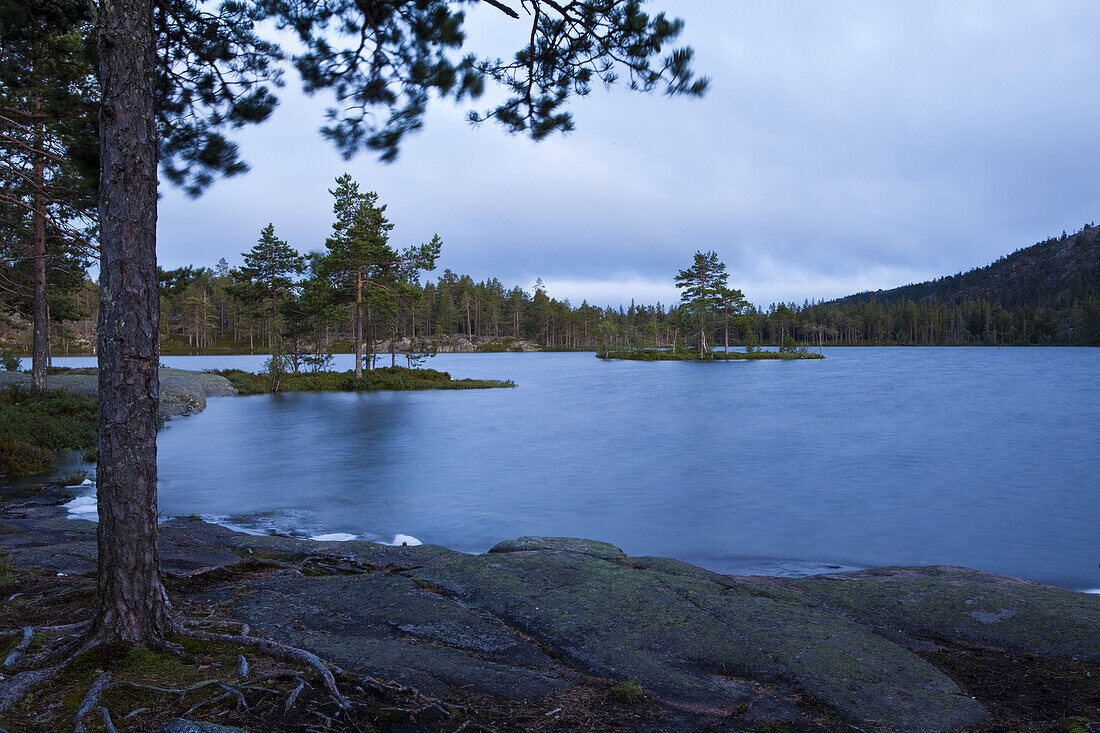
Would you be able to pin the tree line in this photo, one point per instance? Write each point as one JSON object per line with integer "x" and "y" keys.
{"x": 302, "y": 306}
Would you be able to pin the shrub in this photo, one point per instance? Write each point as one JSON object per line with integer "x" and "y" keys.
{"x": 35, "y": 425}
{"x": 629, "y": 692}
{"x": 9, "y": 362}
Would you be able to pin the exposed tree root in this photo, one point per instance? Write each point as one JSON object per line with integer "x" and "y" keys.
{"x": 46, "y": 629}
{"x": 18, "y": 685}
{"x": 91, "y": 699}
{"x": 278, "y": 651}
{"x": 309, "y": 710}
{"x": 28, "y": 634}
{"x": 110, "y": 726}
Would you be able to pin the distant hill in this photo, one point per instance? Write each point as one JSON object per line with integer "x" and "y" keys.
{"x": 1050, "y": 274}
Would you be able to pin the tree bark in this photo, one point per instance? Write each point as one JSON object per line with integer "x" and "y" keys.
{"x": 40, "y": 340}
{"x": 131, "y": 604}
{"x": 358, "y": 335}
{"x": 702, "y": 332}
{"x": 727, "y": 333}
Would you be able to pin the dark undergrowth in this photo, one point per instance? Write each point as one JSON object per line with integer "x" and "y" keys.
{"x": 34, "y": 426}
{"x": 1024, "y": 693}
{"x": 383, "y": 378}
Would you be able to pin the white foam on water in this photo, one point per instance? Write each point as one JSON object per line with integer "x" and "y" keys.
{"x": 403, "y": 539}
{"x": 83, "y": 507}
{"x": 333, "y": 537}
{"x": 1093, "y": 591}
{"x": 223, "y": 521}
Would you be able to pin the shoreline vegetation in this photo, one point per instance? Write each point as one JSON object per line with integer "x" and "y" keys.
{"x": 692, "y": 355}
{"x": 395, "y": 378}
{"x": 36, "y": 426}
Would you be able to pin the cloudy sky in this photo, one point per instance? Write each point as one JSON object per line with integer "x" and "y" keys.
{"x": 843, "y": 146}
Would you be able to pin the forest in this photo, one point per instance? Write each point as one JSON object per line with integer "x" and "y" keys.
{"x": 304, "y": 306}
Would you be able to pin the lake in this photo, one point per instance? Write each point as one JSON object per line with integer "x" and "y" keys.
{"x": 983, "y": 457}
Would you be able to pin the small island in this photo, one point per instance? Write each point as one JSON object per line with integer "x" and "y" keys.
{"x": 706, "y": 297}
{"x": 393, "y": 378}
{"x": 690, "y": 355}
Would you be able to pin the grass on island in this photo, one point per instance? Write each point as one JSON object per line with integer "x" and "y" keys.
{"x": 383, "y": 378}
{"x": 693, "y": 355}
{"x": 34, "y": 426}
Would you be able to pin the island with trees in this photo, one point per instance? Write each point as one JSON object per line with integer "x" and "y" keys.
{"x": 707, "y": 301}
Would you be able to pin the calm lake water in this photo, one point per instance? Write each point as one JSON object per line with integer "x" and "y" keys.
{"x": 983, "y": 457}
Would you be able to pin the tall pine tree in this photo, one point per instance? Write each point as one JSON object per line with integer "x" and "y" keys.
{"x": 703, "y": 285}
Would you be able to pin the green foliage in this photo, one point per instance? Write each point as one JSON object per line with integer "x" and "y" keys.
{"x": 35, "y": 425}
{"x": 569, "y": 48}
{"x": 267, "y": 275}
{"x": 73, "y": 479}
{"x": 628, "y": 693}
{"x": 384, "y": 378}
{"x": 788, "y": 345}
{"x": 8, "y": 577}
{"x": 704, "y": 291}
{"x": 275, "y": 371}
{"x": 750, "y": 341}
{"x": 9, "y": 362}
{"x": 678, "y": 354}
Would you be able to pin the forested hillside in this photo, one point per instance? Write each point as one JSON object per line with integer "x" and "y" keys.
{"x": 1050, "y": 274}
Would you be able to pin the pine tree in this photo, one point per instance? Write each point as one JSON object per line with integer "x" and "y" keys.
{"x": 267, "y": 276}
{"x": 703, "y": 285}
{"x": 359, "y": 254}
{"x": 48, "y": 150}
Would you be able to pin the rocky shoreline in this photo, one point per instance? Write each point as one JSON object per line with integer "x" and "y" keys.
{"x": 182, "y": 392}
{"x": 534, "y": 617}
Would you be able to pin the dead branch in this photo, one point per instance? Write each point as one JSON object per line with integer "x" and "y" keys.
{"x": 204, "y": 703}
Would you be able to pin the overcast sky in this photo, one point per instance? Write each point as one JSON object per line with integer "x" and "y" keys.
{"x": 843, "y": 146}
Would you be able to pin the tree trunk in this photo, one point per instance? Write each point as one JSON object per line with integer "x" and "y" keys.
{"x": 727, "y": 334}
{"x": 702, "y": 333}
{"x": 40, "y": 341}
{"x": 130, "y": 604}
{"x": 358, "y": 335}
